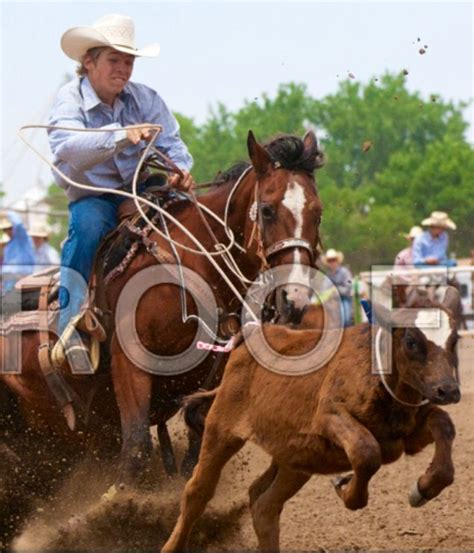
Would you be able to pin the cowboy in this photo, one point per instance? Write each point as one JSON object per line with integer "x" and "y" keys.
{"x": 45, "y": 254}
{"x": 405, "y": 256}
{"x": 431, "y": 247}
{"x": 104, "y": 97}
{"x": 341, "y": 277}
{"x": 18, "y": 252}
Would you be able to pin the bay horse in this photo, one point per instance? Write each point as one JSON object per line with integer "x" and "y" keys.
{"x": 344, "y": 416}
{"x": 274, "y": 214}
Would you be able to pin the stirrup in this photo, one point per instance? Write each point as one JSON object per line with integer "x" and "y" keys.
{"x": 70, "y": 347}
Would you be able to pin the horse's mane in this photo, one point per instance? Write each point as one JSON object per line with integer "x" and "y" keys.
{"x": 287, "y": 150}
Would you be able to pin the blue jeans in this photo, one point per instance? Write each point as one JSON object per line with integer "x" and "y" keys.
{"x": 346, "y": 303}
{"x": 90, "y": 219}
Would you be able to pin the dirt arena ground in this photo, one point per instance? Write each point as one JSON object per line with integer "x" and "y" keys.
{"x": 315, "y": 520}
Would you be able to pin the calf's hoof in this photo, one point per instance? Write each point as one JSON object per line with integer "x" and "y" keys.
{"x": 415, "y": 497}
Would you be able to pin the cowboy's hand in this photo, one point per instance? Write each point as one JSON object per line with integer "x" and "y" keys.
{"x": 140, "y": 132}
{"x": 431, "y": 261}
{"x": 185, "y": 182}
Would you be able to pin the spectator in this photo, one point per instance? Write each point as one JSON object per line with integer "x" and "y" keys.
{"x": 45, "y": 254}
{"x": 18, "y": 253}
{"x": 405, "y": 257}
{"x": 341, "y": 277}
{"x": 431, "y": 247}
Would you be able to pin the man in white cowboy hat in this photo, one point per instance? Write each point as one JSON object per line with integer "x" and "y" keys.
{"x": 341, "y": 277}
{"x": 104, "y": 97}
{"x": 405, "y": 256}
{"x": 18, "y": 252}
{"x": 431, "y": 246}
{"x": 45, "y": 254}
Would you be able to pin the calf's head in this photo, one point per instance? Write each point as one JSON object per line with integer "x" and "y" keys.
{"x": 424, "y": 352}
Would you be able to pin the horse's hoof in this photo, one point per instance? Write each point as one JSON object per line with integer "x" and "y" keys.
{"x": 415, "y": 497}
{"x": 340, "y": 481}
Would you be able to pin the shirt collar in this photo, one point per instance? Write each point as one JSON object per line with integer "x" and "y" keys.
{"x": 91, "y": 100}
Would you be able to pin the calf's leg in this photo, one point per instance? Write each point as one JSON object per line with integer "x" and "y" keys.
{"x": 217, "y": 448}
{"x": 262, "y": 483}
{"x": 267, "y": 508}
{"x": 436, "y": 425}
{"x": 361, "y": 448}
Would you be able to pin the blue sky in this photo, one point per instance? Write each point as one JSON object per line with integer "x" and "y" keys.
{"x": 230, "y": 51}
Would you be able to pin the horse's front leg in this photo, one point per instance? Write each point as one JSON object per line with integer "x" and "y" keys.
{"x": 435, "y": 426}
{"x": 133, "y": 388}
{"x": 362, "y": 450}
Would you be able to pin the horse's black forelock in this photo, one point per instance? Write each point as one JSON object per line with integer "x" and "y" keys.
{"x": 288, "y": 151}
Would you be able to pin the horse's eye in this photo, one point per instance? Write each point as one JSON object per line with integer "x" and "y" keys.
{"x": 267, "y": 211}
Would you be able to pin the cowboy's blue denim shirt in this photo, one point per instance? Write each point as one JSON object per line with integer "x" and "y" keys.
{"x": 425, "y": 246}
{"x": 107, "y": 159}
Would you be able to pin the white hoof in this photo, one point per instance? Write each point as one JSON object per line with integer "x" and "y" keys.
{"x": 415, "y": 497}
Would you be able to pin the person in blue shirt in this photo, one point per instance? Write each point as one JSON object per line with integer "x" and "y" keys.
{"x": 341, "y": 278}
{"x": 45, "y": 254}
{"x": 431, "y": 247}
{"x": 18, "y": 253}
{"x": 104, "y": 97}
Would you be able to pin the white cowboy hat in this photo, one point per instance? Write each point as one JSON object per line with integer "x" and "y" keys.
{"x": 39, "y": 230}
{"x": 332, "y": 254}
{"x": 114, "y": 31}
{"x": 414, "y": 232}
{"x": 439, "y": 219}
{"x": 5, "y": 223}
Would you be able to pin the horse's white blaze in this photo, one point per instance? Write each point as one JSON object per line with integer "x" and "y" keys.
{"x": 435, "y": 325}
{"x": 295, "y": 201}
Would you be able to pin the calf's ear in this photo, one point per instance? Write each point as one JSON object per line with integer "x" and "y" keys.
{"x": 381, "y": 316}
{"x": 451, "y": 299}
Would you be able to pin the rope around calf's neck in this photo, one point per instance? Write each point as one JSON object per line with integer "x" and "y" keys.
{"x": 139, "y": 200}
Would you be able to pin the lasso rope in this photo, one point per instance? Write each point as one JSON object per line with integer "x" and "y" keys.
{"x": 222, "y": 249}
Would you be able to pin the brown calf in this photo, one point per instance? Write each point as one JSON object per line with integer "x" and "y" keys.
{"x": 338, "y": 418}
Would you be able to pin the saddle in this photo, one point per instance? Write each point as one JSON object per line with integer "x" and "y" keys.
{"x": 114, "y": 255}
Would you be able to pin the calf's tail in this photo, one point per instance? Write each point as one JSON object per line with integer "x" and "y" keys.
{"x": 195, "y": 409}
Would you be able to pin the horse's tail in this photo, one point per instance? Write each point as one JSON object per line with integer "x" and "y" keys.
{"x": 195, "y": 409}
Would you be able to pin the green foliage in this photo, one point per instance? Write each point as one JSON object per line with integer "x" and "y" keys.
{"x": 57, "y": 202}
{"x": 392, "y": 158}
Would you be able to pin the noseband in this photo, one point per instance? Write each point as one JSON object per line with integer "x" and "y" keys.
{"x": 291, "y": 243}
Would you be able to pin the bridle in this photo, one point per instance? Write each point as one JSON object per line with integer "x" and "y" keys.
{"x": 256, "y": 234}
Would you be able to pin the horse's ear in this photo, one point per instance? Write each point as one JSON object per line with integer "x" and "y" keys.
{"x": 310, "y": 141}
{"x": 258, "y": 155}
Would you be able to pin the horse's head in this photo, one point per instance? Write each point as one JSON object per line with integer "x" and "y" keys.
{"x": 286, "y": 213}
